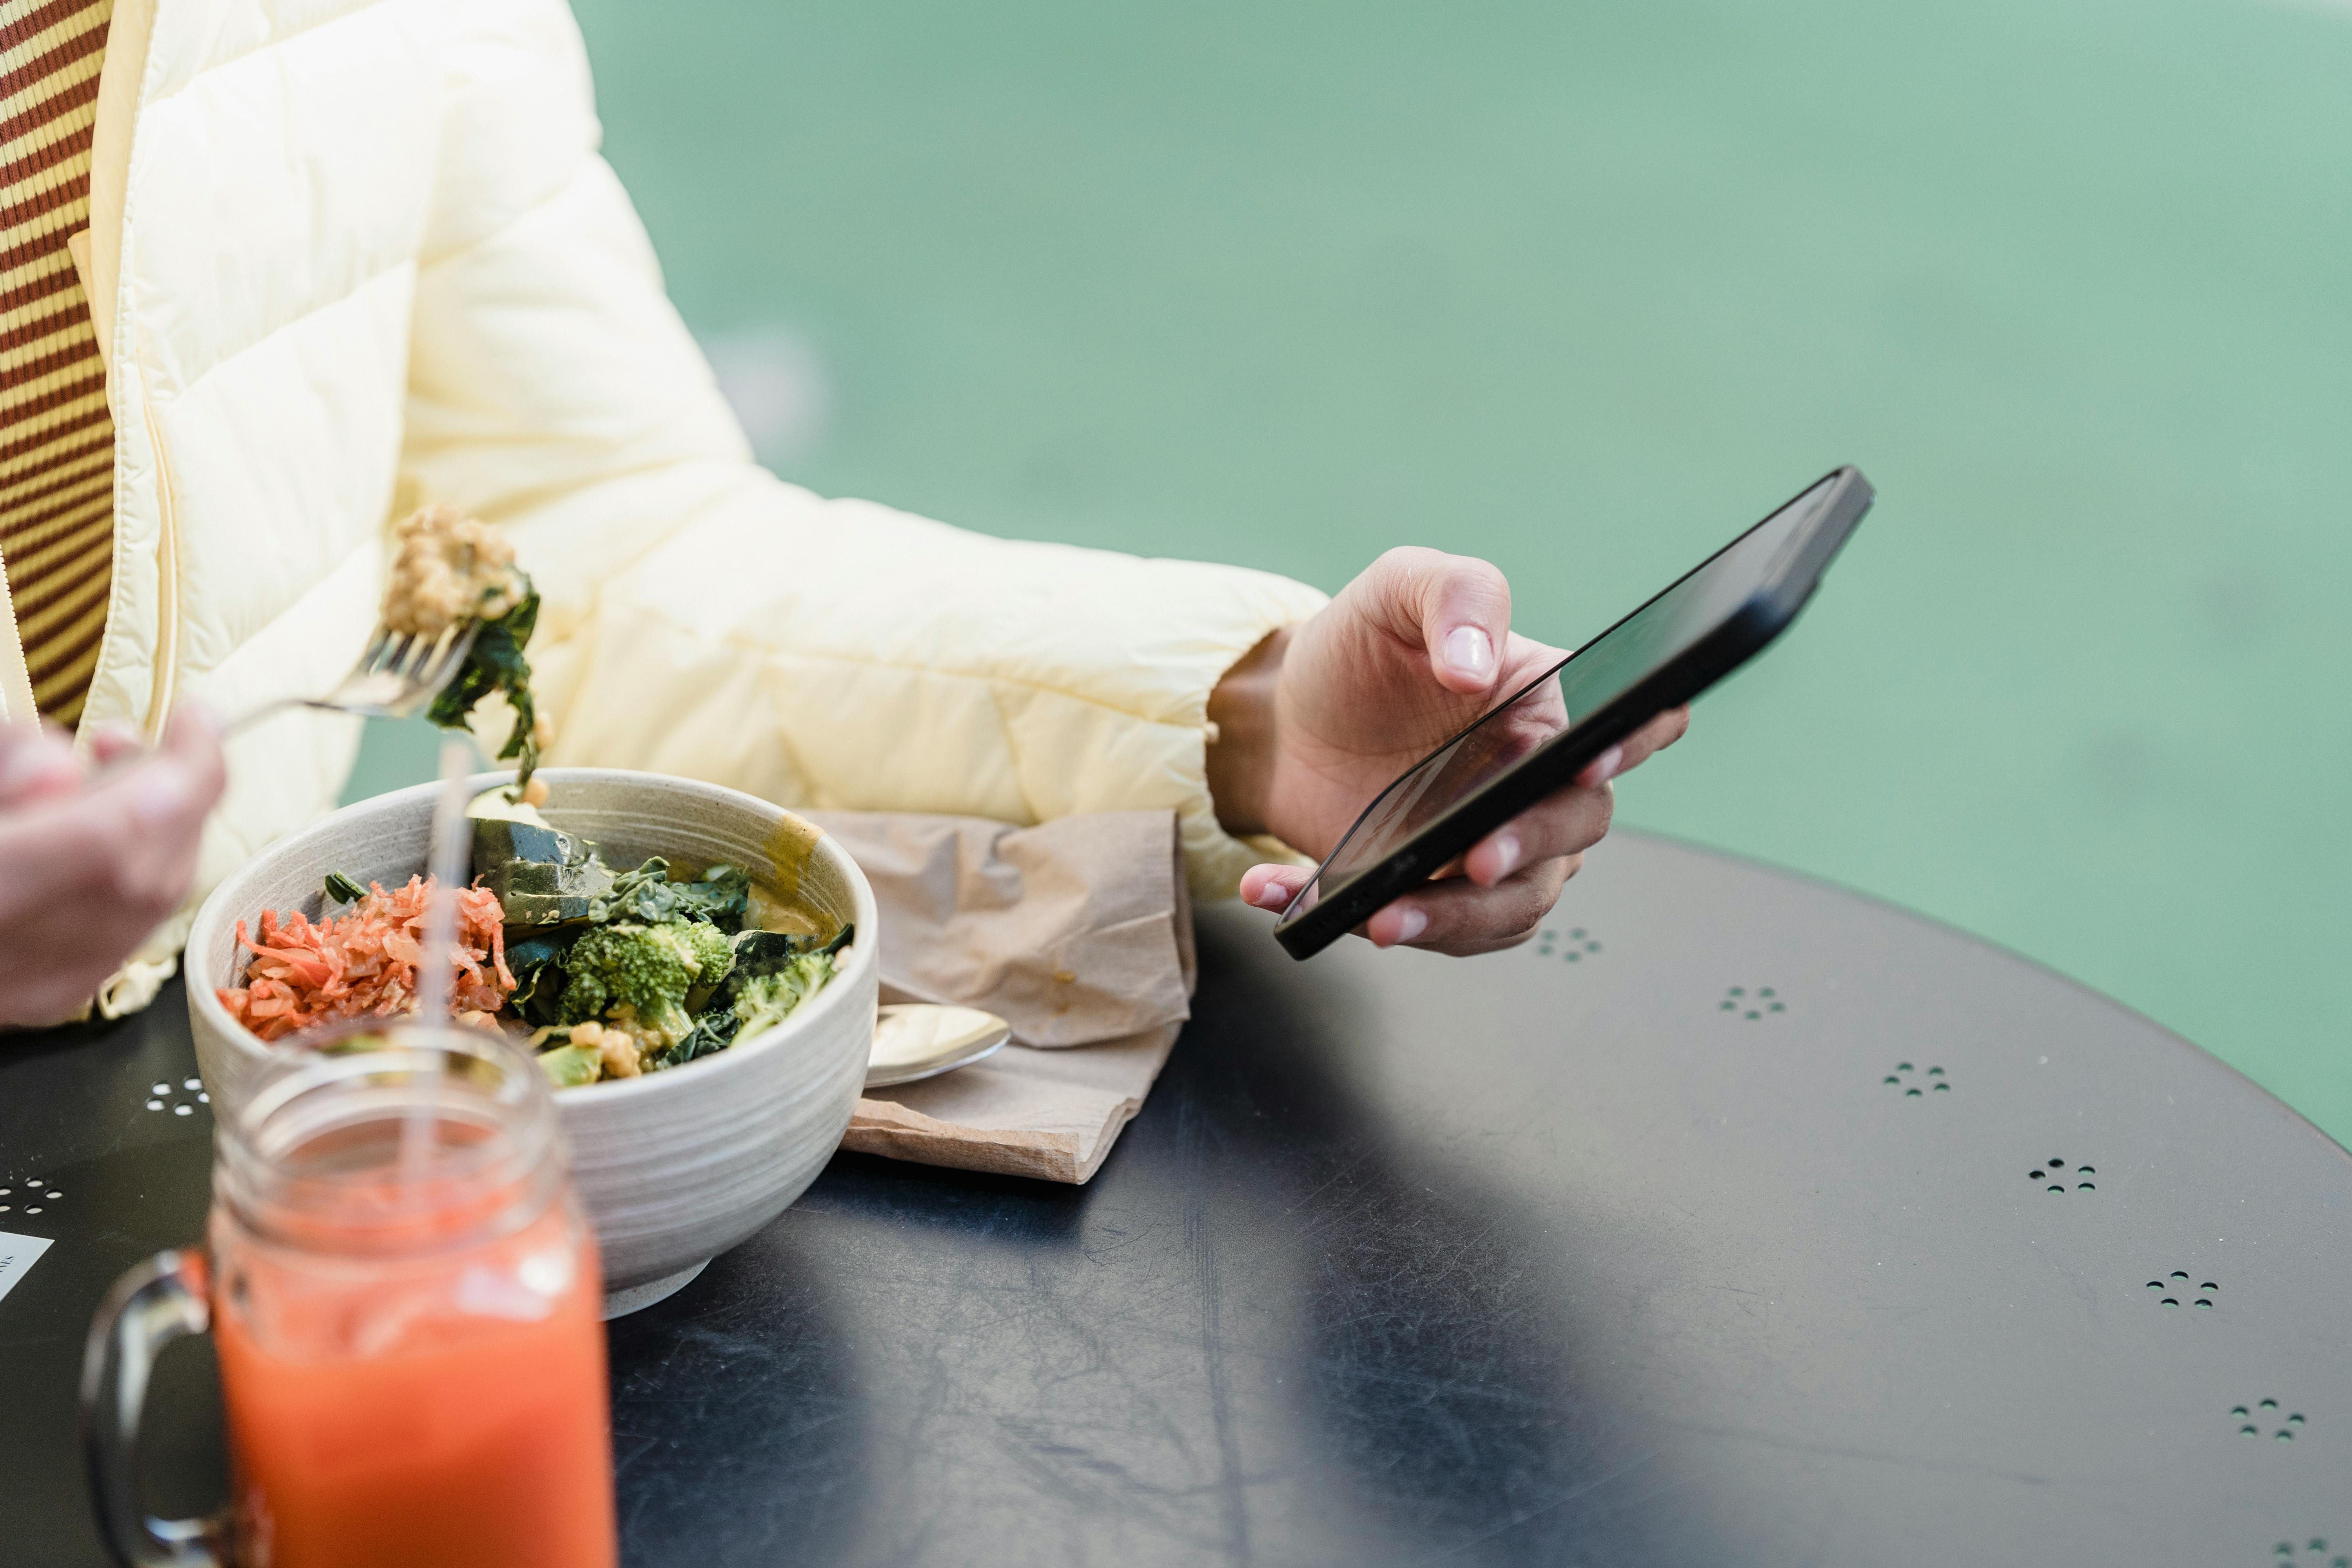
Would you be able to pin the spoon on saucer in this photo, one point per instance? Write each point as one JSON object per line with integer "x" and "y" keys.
{"x": 915, "y": 1040}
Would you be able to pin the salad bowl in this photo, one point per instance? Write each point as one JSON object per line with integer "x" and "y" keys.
{"x": 673, "y": 1167}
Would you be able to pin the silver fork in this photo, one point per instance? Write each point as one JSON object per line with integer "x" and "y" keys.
{"x": 399, "y": 675}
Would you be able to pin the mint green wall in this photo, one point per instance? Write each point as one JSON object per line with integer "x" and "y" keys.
{"x": 1584, "y": 288}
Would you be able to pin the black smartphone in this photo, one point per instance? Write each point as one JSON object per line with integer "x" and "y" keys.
{"x": 1708, "y": 623}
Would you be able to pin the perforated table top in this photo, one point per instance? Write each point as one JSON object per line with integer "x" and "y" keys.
{"x": 1738, "y": 1220}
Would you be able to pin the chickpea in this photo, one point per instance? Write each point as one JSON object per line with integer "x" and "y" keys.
{"x": 618, "y": 1054}
{"x": 448, "y": 568}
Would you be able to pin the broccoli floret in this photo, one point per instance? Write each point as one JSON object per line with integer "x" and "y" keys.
{"x": 713, "y": 950}
{"x": 634, "y": 963}
{"x": 771, "y": 974}
{"x": 647, "y": 968}
{"x": 763, "y": 1001}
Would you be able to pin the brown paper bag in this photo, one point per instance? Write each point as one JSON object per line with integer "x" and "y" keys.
{"x": 1077, "y": 932}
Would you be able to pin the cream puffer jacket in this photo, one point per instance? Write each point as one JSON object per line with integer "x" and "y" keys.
{"x": 349, "y": 258}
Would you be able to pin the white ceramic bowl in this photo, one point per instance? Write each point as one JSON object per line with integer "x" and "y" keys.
{"x": 673, "y": 1167}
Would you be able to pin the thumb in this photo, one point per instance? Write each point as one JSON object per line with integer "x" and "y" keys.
{"x": 192, "y": 738}
{"x": 1457, "y": 607}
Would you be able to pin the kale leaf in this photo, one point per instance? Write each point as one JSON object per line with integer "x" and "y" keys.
{"x": 768, "y": 952}
{"x": 723, "y": 897}
{"x": 712, "y": 1032}
{"x": 537, "y": 965}
{"x": 496, "y": 663}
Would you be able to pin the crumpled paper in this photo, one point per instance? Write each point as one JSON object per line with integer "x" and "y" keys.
{"x": 1078, "y": 931}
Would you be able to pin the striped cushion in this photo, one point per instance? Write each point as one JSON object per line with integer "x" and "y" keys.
{"x": 57, "y": 442}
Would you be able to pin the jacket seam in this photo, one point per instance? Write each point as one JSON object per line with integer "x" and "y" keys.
{"x": 164, "y": 679}
{"x": 512, "y": 509}
{"x": 792, "y": 758}
{"x": 560, "y": 185}
{"x": 238, "y": 353}
{"x": 748, "y": 645}
{"x": 1012, "y": 747}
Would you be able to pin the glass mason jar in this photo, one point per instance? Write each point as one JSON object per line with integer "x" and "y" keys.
{"x": 404, "y": 1300}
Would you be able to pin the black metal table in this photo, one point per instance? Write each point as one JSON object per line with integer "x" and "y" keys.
{"x": 1739, "y": 1220}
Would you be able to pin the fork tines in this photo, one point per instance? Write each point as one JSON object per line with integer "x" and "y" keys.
{"x": 402, "y": 672}
{"x": 440, "y": 665}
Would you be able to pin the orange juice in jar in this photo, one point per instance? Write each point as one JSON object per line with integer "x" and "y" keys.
{"x": 404, "y": 1301}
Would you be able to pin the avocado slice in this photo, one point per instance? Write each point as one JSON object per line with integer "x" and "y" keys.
{"x": 569, "y": 1066}
{"x": 502, "y": 802}
{"x": 543, "y": 876}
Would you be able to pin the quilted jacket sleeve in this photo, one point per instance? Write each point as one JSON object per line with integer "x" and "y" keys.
{"x": 702, "y": 616}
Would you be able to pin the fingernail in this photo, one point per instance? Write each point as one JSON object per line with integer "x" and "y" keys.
{"x": 160, "y": 792}
{"x": 1506, "y": 853}
{"x": 1469, "y": 651}
{"x": 1270, "y": 896}
{"x": 1411, "y": 924}
{"x": 1605, "y": 766}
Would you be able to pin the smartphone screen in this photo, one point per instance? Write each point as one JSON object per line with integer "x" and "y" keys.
{"x": 1587, "y": 682}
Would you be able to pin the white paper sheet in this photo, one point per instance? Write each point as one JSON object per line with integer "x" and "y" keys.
{"x": 17, "y": 1255}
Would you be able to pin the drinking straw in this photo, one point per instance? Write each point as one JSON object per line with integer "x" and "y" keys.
{"x": 447, "y": 861}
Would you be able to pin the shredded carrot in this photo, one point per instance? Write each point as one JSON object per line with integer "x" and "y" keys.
{"x": 364, "y": 961}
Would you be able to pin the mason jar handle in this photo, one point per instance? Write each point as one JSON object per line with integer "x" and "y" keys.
{"x": 164, "y": 1299}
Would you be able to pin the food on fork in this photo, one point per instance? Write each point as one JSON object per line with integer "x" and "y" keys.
{"x": 447, "y": 568}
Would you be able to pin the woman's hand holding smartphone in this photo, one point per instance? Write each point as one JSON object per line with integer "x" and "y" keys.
{"x": 1320, "y": 717}
{"x": 1450, "y": 792}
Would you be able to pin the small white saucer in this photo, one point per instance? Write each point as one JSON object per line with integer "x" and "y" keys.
{"x": 918, "y": 1040}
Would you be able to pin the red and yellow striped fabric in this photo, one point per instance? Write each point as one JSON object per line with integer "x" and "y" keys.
{"x": 57, "y": 441}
